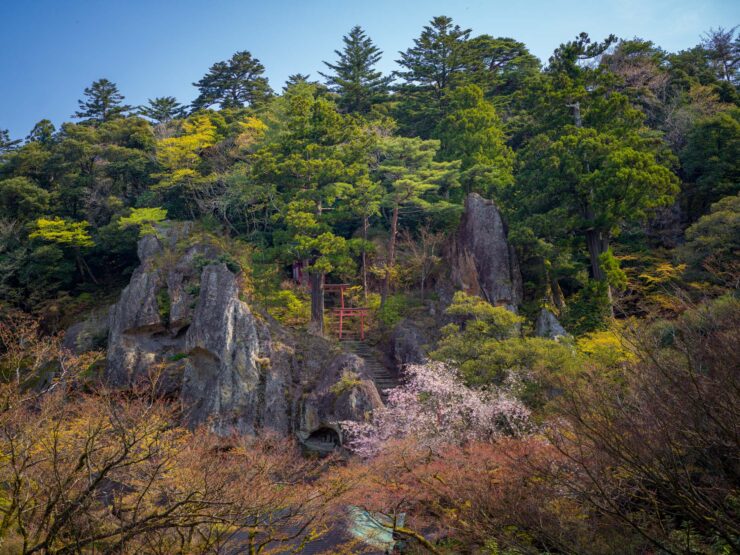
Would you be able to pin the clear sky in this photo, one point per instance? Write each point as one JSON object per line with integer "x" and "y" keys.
{"x": 50, "y": 50}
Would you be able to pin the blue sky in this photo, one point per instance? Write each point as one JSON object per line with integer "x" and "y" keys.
{"x": 50, "y": 50}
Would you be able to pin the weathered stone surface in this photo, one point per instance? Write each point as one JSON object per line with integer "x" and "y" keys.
{"x": 227, "y": 369}
{"x": 547, "y": 325}
{"x": 483, "y": 262}
{"x": 332, "y": 399}
{"x": 145, "y": 325}
{"x": 407, "y": 344}
{"x": 238, "y": 372}
{"x": 88, "y": 335}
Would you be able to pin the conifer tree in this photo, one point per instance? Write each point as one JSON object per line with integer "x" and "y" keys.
{"x": 163, "y": 109}
{"x": 42, "y": 132}
{"x": 235, "y": 83}
{"x": 6, "y": 143}
{"x": 430, "y": 69}
{"x": 358, "y": 85}
{"x": 102, "y": 103}
{"x": 408, "y": 171}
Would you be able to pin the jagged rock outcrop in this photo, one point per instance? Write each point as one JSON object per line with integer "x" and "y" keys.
{"x": 228, "y": 380}
{"x": 344, "y": 390}
{"x": 407, "y": 344}
{"x": 482, "y": 260}
{"x": 234, "y": 370}
{"x": 547, "y": 325}
{"x": 145, "y": 324}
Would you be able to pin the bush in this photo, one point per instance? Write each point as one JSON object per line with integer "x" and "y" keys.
{"x": 589, "y": 310}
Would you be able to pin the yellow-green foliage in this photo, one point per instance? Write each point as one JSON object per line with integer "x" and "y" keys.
{"x": 63, "y": 232}
{"x": 289, "y": 306}
{"x": 251, "y": 131}
{"x": 605, "y": 349}
{"x": 180, "y": 156}
{"x": 144, "y": 219}
{"x": 482, "y": 318}
{"x": 345, "y": 383}
{"x": 487, "y": 349}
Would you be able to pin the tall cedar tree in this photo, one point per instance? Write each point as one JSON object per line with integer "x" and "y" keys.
{"x": 430, "y": 69}
{"x": 163, "y": 109}
{"x": 102, "y": 102}
{"x": 235, "y": 83}
{"x": 358, "y": 85}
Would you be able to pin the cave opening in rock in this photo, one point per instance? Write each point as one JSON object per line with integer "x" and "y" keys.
{"x": 323, "y": 440}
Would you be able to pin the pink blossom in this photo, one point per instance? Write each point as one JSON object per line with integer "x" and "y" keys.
{"x": 435, "y": 407}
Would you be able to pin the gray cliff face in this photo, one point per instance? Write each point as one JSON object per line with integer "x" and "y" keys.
{"x": 224, "y": 382}
{"x": 407, "y": 344}
{"x": 483, "y": 262}
{"x": 234, "y": 371}
{"x": 547, "y": 325}
{"x": 145, "y": 324}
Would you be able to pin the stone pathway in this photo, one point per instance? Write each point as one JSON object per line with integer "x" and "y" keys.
{"x": 383, "y": 377}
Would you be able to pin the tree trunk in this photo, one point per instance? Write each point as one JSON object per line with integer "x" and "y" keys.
{"x": 364, "y": 257}
{"x": 597, "y": 245}
{"x": 84, "y": 268}
{"x": 391, "y": 256}
{"x": 317, "y": 301}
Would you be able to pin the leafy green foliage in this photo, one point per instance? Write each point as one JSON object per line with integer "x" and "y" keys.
{"x": 21, "y": 199}
{"x": 144, "y": 219}
{"x": 713, "y": 242}
{"x": 63, "y": 232}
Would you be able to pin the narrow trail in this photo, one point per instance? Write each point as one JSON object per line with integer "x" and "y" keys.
{"x": 383, "y": 377}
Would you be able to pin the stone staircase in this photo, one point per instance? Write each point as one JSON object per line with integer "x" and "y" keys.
{"x": 383, "y": 377}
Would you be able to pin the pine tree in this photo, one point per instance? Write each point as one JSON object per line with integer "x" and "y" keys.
{"x": 431, "y": 68}
{"x": 358, "y": 85}
{"x": 42, "y": 132}
{"x": 408, "y": 171}
{"x": 235, "y": 83}
{"x": 6, "y": 143}
{"x": 102, "y": 102}
{"x": 163, "y": 109}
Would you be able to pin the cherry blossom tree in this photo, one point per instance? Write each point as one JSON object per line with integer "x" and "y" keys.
{"x": 434, "y": 407}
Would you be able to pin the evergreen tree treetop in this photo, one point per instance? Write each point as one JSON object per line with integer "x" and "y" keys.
{"x": 235, "y": 83}
{"x": 102, "y": 102}
{"x": 354, "y": 79}
{"x": 163, "y": 109}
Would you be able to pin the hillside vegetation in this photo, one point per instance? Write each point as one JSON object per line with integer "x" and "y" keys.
{"x": 615, "y": 167}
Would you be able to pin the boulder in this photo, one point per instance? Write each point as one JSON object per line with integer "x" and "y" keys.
{"x": 547, "y": 325}
{"x": 482, "y": 260}
{"x": 343, "y": 391}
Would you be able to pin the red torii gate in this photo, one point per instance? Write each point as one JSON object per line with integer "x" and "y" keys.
{"x": 343, "y": 311}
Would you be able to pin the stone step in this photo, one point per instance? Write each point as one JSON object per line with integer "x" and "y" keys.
{"x": 383, "y": 378}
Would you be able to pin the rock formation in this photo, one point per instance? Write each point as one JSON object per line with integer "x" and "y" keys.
{"x": 407, "y": 344}
{"x": 482, "y": 260}
{"x": 547, "y": 325}
{"x": 234, "y": 370}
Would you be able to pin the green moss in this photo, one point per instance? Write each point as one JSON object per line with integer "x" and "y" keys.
{"x": 164, "y": 303}
{"x": 348, "y": 381}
